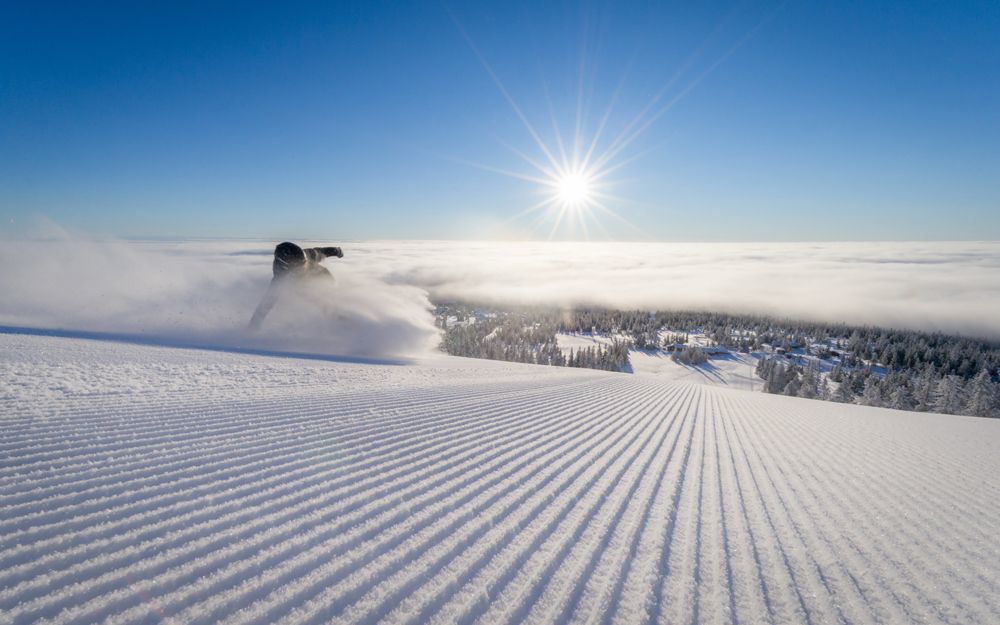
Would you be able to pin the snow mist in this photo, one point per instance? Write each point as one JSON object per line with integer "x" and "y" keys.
{"x": 203, "y": 293}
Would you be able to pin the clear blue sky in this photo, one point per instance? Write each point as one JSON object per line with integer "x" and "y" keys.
{"x": 802, "y": 120}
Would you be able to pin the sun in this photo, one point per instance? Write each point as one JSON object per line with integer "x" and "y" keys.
{"x": 574, "y": 189}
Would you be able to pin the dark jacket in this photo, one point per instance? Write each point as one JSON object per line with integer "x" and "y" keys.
{"x": 292, "y": 262}
{"x": 290, "y": 259}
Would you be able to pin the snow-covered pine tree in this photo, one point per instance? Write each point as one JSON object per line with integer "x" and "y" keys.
{"x": 844, "y": 394}
{"x": 809, "y": 386}
{"x": 823, "y": 389}
{"x": 775, "y": 379}
{"x": 837, "y": 373}
{"x": 923, "y": 390}
{"x": 761, "y": 370}
{"x": 872, "y": 395}
{"x": 793, "y": 385}
{"x": 949, "y": 395}
{"x": 900, "y": 398}
{"x": 980, "y": 396}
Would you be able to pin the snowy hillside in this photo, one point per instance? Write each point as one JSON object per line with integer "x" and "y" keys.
{"x": 150, "y": 484}
{"x": 729, "y": 368}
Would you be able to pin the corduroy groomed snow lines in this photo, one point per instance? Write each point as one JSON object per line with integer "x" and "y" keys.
{"x": 461, "y": 491}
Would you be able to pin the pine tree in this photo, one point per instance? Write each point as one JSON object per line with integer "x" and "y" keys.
{"x": 872, "y": 396}
{"x": 949, "y": 395}
{"x": 923, "y": 390}
{"x": 837, "y": 373}
{"x": 857, "y": 382}
{"x": 761, "y": 370}
{"x": 823, "y": 390}
{"x": 900, "y": 398}
{"x": 793, "y": 386}
{"x": 980, "y": 396}
{"x": 775, "y": 380}
{"x": 809, "y": 386}
{"x": 844, "y": 394}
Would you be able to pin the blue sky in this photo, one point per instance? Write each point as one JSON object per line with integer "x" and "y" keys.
{"x": 793, "y": 121}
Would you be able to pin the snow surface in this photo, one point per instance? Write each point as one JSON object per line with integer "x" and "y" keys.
{"x": 143, "y": 484}
{"x": 731, "y": 369}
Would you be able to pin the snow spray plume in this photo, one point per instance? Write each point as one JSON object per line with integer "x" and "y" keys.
{"x": 203, "y": 293}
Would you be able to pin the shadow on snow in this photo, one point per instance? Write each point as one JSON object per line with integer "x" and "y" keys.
{"x": 162, "y": 341}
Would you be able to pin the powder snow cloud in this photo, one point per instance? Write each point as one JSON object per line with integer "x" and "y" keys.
{"x": 203, "y": 293}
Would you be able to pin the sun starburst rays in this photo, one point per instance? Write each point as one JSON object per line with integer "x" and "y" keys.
{"x": 573, "y": 193}
{"x": 572, "y": 171}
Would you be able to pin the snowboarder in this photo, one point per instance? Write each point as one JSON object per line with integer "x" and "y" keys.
{"x": 292, "y": 263}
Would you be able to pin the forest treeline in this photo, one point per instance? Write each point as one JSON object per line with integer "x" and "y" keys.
{"x": 528, "y": 338}
{"x": 875, "y": 366}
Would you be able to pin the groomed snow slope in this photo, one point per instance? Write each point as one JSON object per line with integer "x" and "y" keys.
{"x": 147, "y": 484}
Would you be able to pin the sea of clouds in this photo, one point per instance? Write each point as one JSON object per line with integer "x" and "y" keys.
{"x": 204, "y": 292}
{"x": 934, "y": 286}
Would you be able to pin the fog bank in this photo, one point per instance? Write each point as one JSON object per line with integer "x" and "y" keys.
{"x": 951, "y": 287}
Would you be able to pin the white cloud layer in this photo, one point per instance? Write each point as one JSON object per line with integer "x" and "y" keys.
{"x": 953, "y": 287}
{"x": 205, "y": 291}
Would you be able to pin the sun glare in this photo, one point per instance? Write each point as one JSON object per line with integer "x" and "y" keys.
{"x": 572, "y": 175}
{"x": 573, "y": 189}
